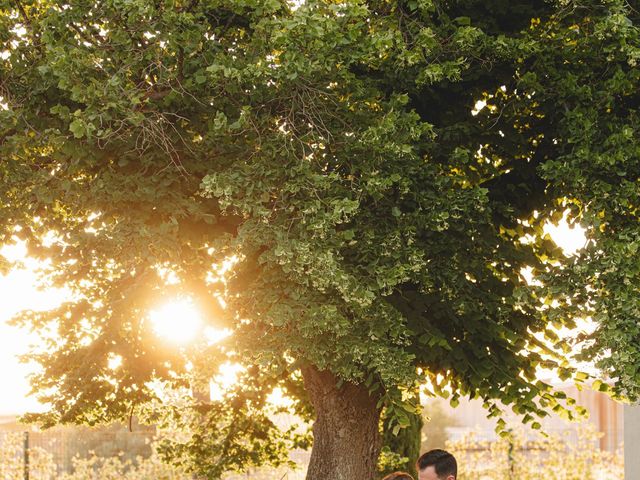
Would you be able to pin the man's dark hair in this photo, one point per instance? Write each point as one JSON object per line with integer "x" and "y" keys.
{"x": 398, "y": 476}
{"x": 443, "y": 462}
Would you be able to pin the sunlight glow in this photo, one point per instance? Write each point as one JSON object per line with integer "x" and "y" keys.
{"x": 570, "y": 239}
{"x": 114, "y": 361}
{"x": 477, "y": 108}
{"x": 214, "y": 335}
{"x": 178, "y": 321}
{"x": 278, "y": 398}
{"x": 227, "y": 377}
{"x": 295, "y": 4}
{"x": 18, "y": 291}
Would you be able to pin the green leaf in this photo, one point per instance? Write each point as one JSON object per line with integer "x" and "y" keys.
{"x": 462, "y": 20}
{"x": 77, "y": 127}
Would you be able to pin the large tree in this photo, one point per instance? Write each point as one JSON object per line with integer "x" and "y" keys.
{"x": 325, "y": 171}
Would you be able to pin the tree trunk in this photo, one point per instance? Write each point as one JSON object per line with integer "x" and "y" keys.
{"x": 346, "y": 438}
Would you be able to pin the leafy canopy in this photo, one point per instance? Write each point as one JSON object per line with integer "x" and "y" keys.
{"x": 378, "y": 228}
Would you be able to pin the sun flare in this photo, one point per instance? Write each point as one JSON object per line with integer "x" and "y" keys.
{"x": 177, "y": 321}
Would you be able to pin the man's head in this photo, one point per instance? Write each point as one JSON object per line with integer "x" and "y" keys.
{"x": 398, "y": 476}
{"x": 437, "y": 465}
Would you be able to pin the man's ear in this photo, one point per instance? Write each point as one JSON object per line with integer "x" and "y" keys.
{"x": 451, "y": 477}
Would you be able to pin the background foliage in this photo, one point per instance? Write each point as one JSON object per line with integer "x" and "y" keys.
{"x": 520, "y": 457}
{"x": 514, "y": 458}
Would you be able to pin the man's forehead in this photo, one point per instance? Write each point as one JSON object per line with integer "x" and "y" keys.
{"x": 428, "y": 473}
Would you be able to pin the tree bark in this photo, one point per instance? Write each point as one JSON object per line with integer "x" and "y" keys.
{"x": 346, "y": 437}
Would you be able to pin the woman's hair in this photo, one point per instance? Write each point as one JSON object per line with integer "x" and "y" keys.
{"x": 398, "y": 476}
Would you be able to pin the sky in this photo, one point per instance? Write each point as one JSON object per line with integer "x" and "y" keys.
{"x": 18, "y": 292}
